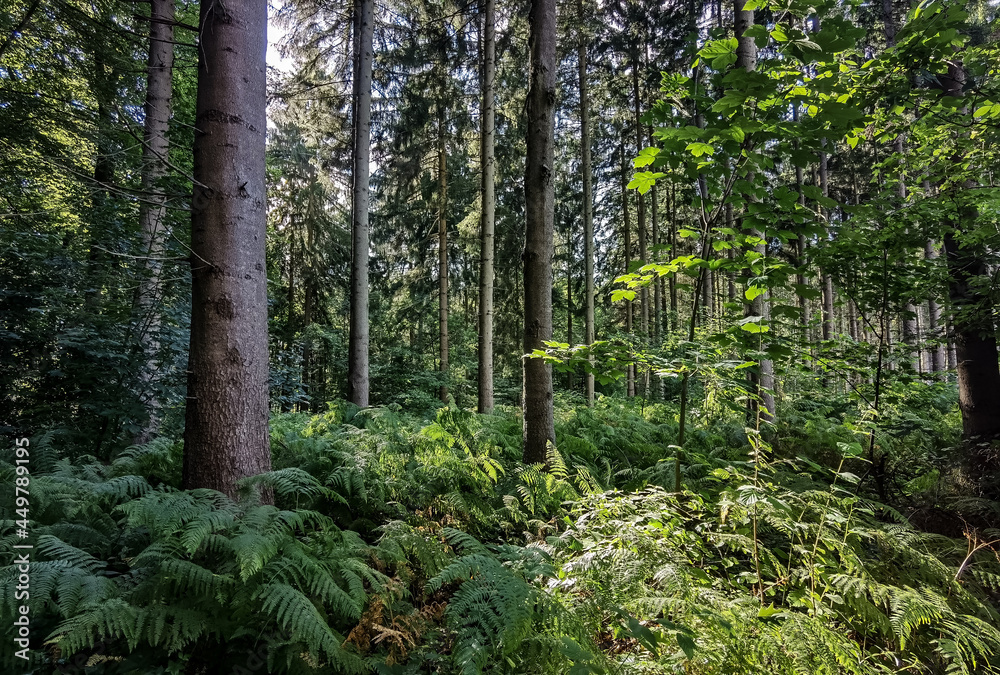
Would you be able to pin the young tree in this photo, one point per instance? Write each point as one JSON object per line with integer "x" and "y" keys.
{"x": 225, "y": 435}
{"x": 357, "y": 360}
{"x": 539, "y": 195}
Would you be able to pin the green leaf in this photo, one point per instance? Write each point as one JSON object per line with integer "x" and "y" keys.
{"x": 754, "y": 292}
{"x": 646, "y": 157}
{"x": 850, "y": 449}
{"x": 752, "y": 324}
{"x": 768, "y": 612}
{"x": 646, "y": 637}
{"x": 687, "y": 645}
{"x": 698, "y": 149}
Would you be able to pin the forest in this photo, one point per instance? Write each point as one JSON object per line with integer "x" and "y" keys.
{"x": 589, "y": 337}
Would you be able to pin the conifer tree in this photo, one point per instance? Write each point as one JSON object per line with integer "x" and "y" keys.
{"x": 226, "y": 429}
{"x": 539, "y": 196}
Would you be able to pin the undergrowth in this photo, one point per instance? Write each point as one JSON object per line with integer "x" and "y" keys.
{"x": 401, "y": 545}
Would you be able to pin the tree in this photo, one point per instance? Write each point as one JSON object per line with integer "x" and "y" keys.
{"x": 153, "y": 209}
{"x": 442, "y": 177}
{"x": 487, "y": 218}
{"x": 226, "y": 433}
{"x": 973, "y": 316}
{"x": 761, "y": 382}
{"x": 357, "y": 373}
{"x": 588, "y": 197}
{"x": 539, "y": 195}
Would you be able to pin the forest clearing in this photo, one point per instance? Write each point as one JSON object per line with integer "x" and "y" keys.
{"x": 583, "y": 338}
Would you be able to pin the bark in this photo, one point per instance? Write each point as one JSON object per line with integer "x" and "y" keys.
{"x": 640, "y": 212}
{"x": 588, "y": 196}
{"x": 153, "y": 210}
{"x": 487, "y": 219}
{"x": 539, "y": 194}
{"x": 971, "y": 311}
{"x": 357, "y": 358}
{"x": 629, "y": 309}
{"x": 658, "y": 281}
{"x": 226, "y": 435}
{"x": 569, "y": 296}
{"x": 800, "y": 247}
{"x": 442, "y": 255}
{"x": 672, "y": 280}
{"x": 827, "y": 279}
{"x": 761, "y": 382}
{"x": 937, "y": 361}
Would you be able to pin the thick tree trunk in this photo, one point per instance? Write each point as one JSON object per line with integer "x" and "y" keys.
{"x": 487, "y": 220}
{"x": 226, "y": 436}
{"x": 357, "y": 358}
{"x": 539, "y": 197}
{"x": 153, "y": 210}
{"x": 588, "y": 197}
{"x": 442, "y": 255}
{"x": 971, "y": 313}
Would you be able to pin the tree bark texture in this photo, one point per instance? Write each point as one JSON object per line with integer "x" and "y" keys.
{"x": 487, "y": 219}
{"x": 442, "y": 254}
{"x": 761, "y": 382}
{"x": 153, "y": 210}
{"x": 539, "y": 193}
{"x": 971, "y": 311}
{"x": 627, "y": 231}
{"x": 226, "y": 434}
{"x": 357, "y": 359}
{"x": 588, "y": 195}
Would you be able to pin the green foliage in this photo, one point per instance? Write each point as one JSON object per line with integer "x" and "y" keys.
{"x": 140, "y": 575}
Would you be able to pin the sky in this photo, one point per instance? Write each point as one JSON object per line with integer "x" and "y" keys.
{"x": 274, "y": 36}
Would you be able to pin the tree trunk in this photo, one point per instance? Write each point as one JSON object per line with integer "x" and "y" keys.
{"x": 569, "y": 295}
{"x": 539, "y": 197}
{"x": 827, "y": 279}
{"x": 627, "y": 226}
{"x": 442, "y": 254}
{"x": 761, "y": 382}
{"x": 153, "y": 210}
{"x": 487, "y": 220}
{"x": 357, "y": 359}
{"x": 937, "y": 361}
{"x": 672, "y": 280}
{"x": 800, "y": 247}
{"x": 588, "y": 197}
{"x": 971, "y": 311}
{"x": 226, "y": 436}
{"x": 640, "y": 211}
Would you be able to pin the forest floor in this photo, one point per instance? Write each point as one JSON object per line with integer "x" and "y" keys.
{"x": 403, "y": 543}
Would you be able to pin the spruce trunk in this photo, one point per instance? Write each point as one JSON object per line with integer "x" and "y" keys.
{"x": 226, "y": 434}
{"x": 357, "y": 361}
{"x": 539, "y": 194}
